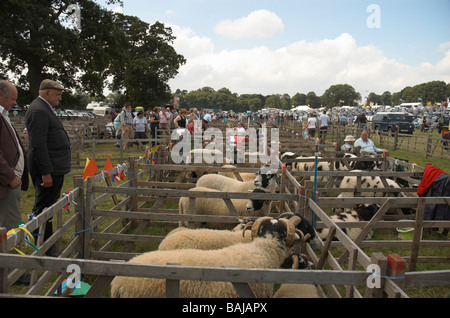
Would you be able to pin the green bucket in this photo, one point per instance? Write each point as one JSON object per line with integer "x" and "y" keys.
{"x": 405, "y": 233}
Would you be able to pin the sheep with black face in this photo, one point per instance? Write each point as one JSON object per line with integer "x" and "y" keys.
{"x": 205, "y": 239}
{"x": 272, "y": 241}
{"x": 363, "y": 212}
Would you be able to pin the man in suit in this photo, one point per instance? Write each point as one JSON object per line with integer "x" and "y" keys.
{"x": 13, "y": 161}
{"x": 49, "y": 150}
{"x": 13, "y": 166}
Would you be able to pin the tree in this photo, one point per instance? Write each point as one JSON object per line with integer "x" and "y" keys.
{"x": 298, "y": 99}
{"x": 36, "y": 42}
{"x": 386, "y": 98}
{"x": 147, "y": 62}
{"x": 341, "y": 94}
{"x": 313, "y": 100}
{"x": 274, "y": 101}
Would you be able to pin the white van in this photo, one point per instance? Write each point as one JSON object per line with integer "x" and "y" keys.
{"x": 94, "y": 105}
{"x": 102, "y": 110}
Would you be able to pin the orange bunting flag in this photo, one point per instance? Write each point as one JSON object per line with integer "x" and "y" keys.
{"x": 90, "y": 170}
{"x": 108, "y": 165}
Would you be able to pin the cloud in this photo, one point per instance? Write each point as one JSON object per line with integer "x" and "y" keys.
{"x": 299, "y": 67}
{"x": 259, "y": 23}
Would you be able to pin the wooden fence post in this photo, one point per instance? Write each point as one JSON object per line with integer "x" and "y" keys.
{"x": 429, "y": 143}
{"x": 87, "y": 220}
{"x": 396, "y": 267}
{"x": 418, "y": 228}
{"x": 80, "y": 206}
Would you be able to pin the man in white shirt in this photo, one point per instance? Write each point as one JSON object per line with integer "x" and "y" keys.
{"x": 323, "y": 124}
{"x": 367, "y": 145}
{"x": 312, "y": 124}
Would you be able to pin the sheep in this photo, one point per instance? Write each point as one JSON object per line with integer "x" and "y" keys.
{"x": 272, "y": 241}
{"x": 363, "y": 212}
{"x": 244, "y": 175}
{"x": 217, "y": 206}
{"x": 206, "y": 156}
{"x": 367, "y": 165}
{"x": 297, "y": 290}
{"x": 369, "y": 182}
{"x": 310, "y": 166}
{"x": 265, "y": 178}
{"x": 205, "y": 239}
{"x": 302, "y": 224}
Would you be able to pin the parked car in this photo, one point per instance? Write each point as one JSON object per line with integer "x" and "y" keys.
{"x": 392, "y": 121}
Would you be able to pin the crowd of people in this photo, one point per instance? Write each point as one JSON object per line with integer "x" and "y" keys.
{"x": 138, "y": 124}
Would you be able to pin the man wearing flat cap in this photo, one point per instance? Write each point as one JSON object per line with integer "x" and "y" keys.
{"x": 49, "y": 152}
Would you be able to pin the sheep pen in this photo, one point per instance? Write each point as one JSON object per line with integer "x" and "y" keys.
{"x": 138, "y": 193}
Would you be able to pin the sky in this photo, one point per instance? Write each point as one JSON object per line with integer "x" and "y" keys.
{"x": 301, "y": 46}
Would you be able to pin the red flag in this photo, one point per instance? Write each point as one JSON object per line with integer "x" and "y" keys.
{"x": 108, "y": 165}
{"x": 90, "y": 170}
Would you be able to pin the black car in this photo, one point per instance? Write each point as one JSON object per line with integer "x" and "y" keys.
{"x": 390, "y": 122}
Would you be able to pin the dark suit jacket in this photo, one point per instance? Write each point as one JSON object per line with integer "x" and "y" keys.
{"x": 49, "y": 145}
{"x": 9, "y": 156}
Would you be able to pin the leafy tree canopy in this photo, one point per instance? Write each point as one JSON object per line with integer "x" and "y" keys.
{"x": 38, "y": 41}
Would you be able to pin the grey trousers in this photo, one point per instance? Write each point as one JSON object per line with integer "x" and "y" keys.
{"x": 10, "y": 216}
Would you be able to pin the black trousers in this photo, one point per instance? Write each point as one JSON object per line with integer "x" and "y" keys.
{"x": 45, "y": 198}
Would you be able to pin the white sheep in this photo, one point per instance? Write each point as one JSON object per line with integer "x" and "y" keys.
{"x": 310, "y": 166}
{"x": 265, "y": 179}
{"x": 272, "y": 241}
{"x": 297, "y": 290}
{"x": 367, "y": 182}
{"x": 217, "y": 206}
{"x": 206, "y": 156}
{"x": 246, "y": 176}
{"x": 204, "y": 239}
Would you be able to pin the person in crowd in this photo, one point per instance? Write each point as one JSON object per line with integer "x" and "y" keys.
{"x": 126, "y": 125}
{"x": 365, "y": 144}
{"x": 140, "y": 126}
{"x": 312, "y": 125}
{"x": 49, "y": 153}
{"x": 13, "y": 166}
{"x": 164, "y": 118}
{"x": 343, "y": 120}
{"x": 180, "y": 121}
{"x": 154, "y": 124}
{"x": 349, "y": 144}
{"x": 240, "y": 128}
{"x": 13, "y": 161}
{"x": 324, "y": 121}
{"x": 362, "y": 121}
{"x": 425, "y": 125}
{"x": 305, "y": 130}
{"x": 117, "y": 131}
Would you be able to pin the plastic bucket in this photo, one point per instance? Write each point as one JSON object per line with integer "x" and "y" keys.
{"x": 405, "y": 233}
